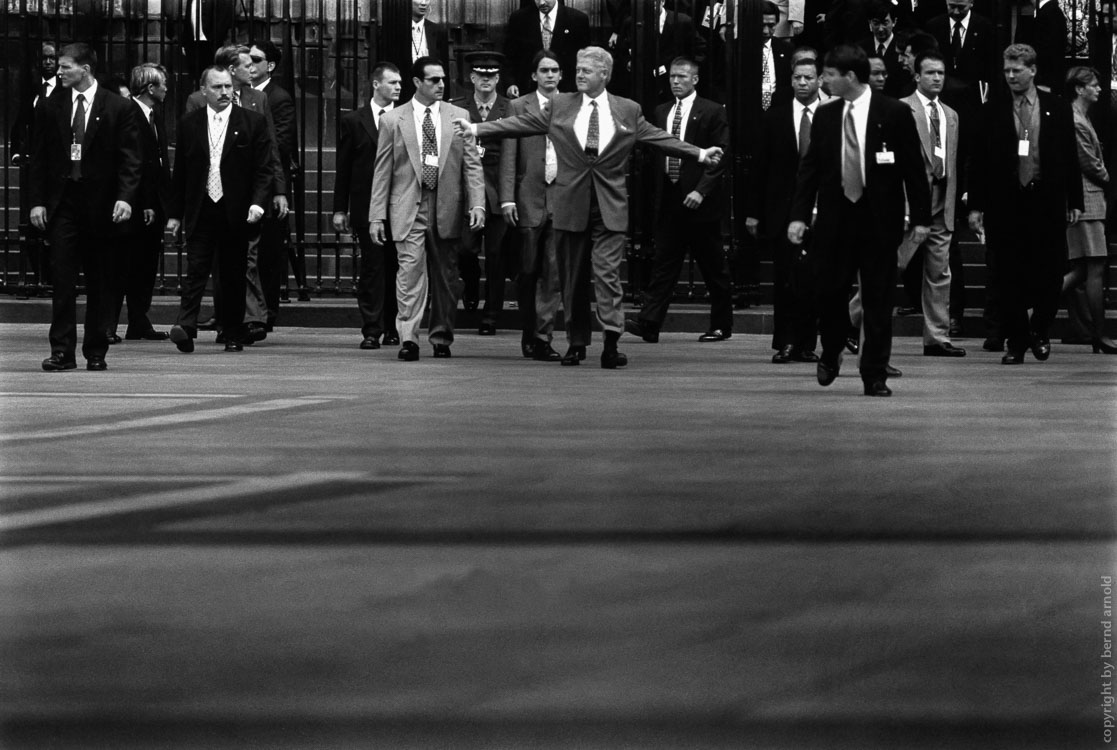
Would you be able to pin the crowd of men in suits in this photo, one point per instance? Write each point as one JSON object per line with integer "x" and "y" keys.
{"x": 876, "y": 142}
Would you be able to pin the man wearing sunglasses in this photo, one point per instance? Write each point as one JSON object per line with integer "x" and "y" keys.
{"x": 424, "y": 184}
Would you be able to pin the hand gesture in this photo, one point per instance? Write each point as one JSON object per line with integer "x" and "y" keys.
{"x": 713, "y": 156}
{"x": 461, "y": 127}
{"x": 795, "y": 232}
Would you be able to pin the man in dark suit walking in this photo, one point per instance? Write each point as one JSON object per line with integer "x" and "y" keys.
{"x": 882, "y": 42}
{"x": 1047, "y": 35}
{"x": 864, "y": 155}
{"x": 549, "y": 25}
{"x": 528, "y": 169}
{"x": 786, "y": 136}
{"x": 85, "y": 175}
{"x": 356, "y": 161}
{"x": 1025, "y": 188}
{"x": 223, "y": 178}
{"x": 593, "y": 133}
{"x": 136, "y": 264}
{"x": 689, "y": 206}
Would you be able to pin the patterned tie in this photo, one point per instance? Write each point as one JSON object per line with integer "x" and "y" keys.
{"x": 594, "y": 132}
{"x": 430, "y": 148}
{"x": 213, "y": 181}
{"x": 236, "y": 97}
{"x": 804, "y": 132}
{"x": 852, "y": 184}
{"x": 546, "y": 32}
{"x": 766, "y": 74}
{"x": 956, "y": 44}
{"x": 483, "y": 110}
{"x": 550, "y": 165}
{"x": 673, "y": 164}
{"x": 79, "y": 136}
{"x": 937, "y": 167}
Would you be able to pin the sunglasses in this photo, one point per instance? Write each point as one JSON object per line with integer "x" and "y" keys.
{"x": 435, "y": 79}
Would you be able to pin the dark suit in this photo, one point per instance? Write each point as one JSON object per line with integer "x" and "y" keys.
{"x": 770, "y": 190}
{"x": 523, "y": 183}
{"x": 679, "y": 37}
{"x": 1047, "y": 33}
{"x": 79, "y": 212}
{"x": 220, "y": 230}
{"x": 591, "y": 202}
{"x": 781, "y": 61}
{"x": 524, "y": 37}
{"x": 137, "y": 262}
{"x": 698, "y": 231}
{"x": 398, "y": 49}
{"x": 862, "y": 237}
{"x": 898, "y": 77}
{"x": 216, "y": 18}
{"x": 495, "y": 226}
{"x": 1026, "y": 226}
{"x": 275, "y": 240}
{"x": 34, "y": 251}
{"x": 356, "y": 161}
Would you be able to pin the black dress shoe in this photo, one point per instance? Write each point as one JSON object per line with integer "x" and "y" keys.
{"x": 208, "y": 325}
{"x": 853, "y": 344}
{"x": 409, "y": 352}
{"x": 828, "y": 371}
{"x": 254, "y": 332}
{"x": 269, "y": 327}
{"x": 182, "y": 339}
{"x": 574, "y": 355}
{"x": 234, "y": 346}
{"x": 96, "y": 364}
{"x": 527, "y": 347}
{"x": 801, "y": 355}
{"x": 784, "y": 355}
{"x": 57, "y": 363}
{"x": 611, "y": 359}
{"x": 716, "y": 335}
{"x": 544, "y": 352}
{"x": 642, "y": 329}
{"x": 893, "y": 372}
{"x": 370, "y": 342}
{"x": 906, "y": 310}
{"x": 955, "y": 328}
{"x": 486, "y": 329}
{"x": 993, "y": 344}
{"x": 149, "y": 335}
{"x": 945, "y": 349}
{"x": 220, "y": 338}
{"x": 304, "y": 295}
{"x": 112, "y": 338}
{"x": 877, "y": 388}
{"x": 1041, "y": 347}
{"x": 391, "y": 339}
{"x": 442, "y": 351}
{"x": 1013, "y": 358}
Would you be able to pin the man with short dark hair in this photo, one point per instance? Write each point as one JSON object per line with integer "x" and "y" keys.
{"x": 356, "y": 163}
{"x": 863, "y": 158}
{"x": 85, "y": 176}
{"x": 545, "y": 24}
{"x": 425, "y": 182}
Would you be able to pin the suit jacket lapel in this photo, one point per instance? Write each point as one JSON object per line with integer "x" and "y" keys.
{"x": 364, "y": 115}
{"x": 618, "y": 128}
{"x": 921, "y": 126}
{"x": 231, "y": 131}
{"x": 411, "y": 138}
{"x": 447, "y": 128}
{"x": 874, "y": 139}
{"x": 96, "y": 108}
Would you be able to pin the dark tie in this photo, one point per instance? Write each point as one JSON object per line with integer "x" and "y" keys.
{"x": 46, "y": 88}
{"x": 852, "y": 184}
{"x": 937, "y": 170}
{"x": 1025, "y": 168}
{"x": 151, "y": 122}
{"x": 880, "y": 51}
{"x": 79, "y": 136}
{"x": 804, "y": 132}
{"x": 430, "y": 148}
{"x": 956, "y": 43}
{"x": 594, "y": 132}
{"x": 673, "y": 164}
{"x": 379, "y": 115}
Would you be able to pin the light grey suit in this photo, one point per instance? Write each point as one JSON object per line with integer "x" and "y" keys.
{"x": 426, "y": 224}
{"x": 936, "y": 248}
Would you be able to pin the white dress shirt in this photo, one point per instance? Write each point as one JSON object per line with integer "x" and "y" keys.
{"x": 925, "y": 104}
{"x": 262, "y": 84}
{"x": 388, "y": 108}
{"x": 553, "y": 15}
{"x": 420, "y": 113}
{"x": 88, "y": 95}
{"x": 606, "y": 127}
{"x": 965, "y": 26}
{"x": 860, "y": 123}
{"x": 419, "y": 40}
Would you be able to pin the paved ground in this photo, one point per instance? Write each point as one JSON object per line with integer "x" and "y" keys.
{"x": 310, "y": 546}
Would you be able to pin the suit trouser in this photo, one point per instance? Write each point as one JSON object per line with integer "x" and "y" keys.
{"x": 427, "y": 261}
{"x": 74, "y": 247}
{"x": 856, "y": 250}
{"x": 495, "y": 229}
{"x": 600, "y": 251}
{"x": 214, "y": 241}
{"x": 376, "y": 285}
{"x": 255, "y": 306}
{"x": 795, "y": 319}
{"x": 272, "y": 261}
{"x": 935, "y": 260}
{"x": 1030, "y": 252}
{"x": 132, "y": 278}
{"x": 677, "y": 231}
{"x": 538, "y": 282}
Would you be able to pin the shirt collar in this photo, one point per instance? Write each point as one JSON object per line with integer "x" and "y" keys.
{"x": 262, "y": 84}
{"x": 965, "y": 21}
{"x": 887, "y": 42}
{"x": 799, "y": 106}
{"x": 1028, "y": 96}
{"x": 863, "y": 100}
{"x": 688, "y": 100}
{"x": 553, "y": 15}
{"x": 376, "y": 107}
{"x": 433, "y": 106}
{"x": 222, "y": 115}
{"x": 89, "y": 93}
{"x": 602, "y": 99}
{"x": 543, "y": 101}
{"x": 417, "y": 25}
{"x": 925, "y": 101}
{"x": 144, "y": 108}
